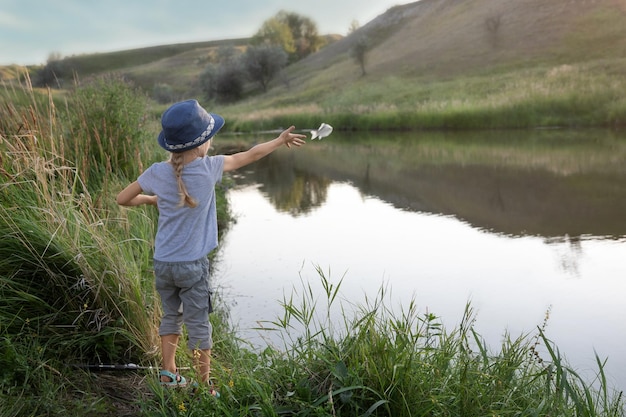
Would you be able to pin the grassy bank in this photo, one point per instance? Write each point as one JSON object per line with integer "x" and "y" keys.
{"x": 76, "y": 287}
{"x": 430, "y": 64}
{"x": 577, "y": 95}
{"x": 75, "y": 281}
{"x": 378, "y": 361}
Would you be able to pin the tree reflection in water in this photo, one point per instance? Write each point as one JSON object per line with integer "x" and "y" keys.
{"x": 519, "y": 220}
{"x": 541, "y": 183}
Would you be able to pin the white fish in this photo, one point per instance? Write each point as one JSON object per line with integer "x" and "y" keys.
{"x": 322, "y": 131}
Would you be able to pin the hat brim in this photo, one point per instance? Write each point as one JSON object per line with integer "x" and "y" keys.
{"x": 219, "y": 123}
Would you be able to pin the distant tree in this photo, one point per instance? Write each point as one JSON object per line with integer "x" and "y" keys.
{"x": 492, "y": 24}
{"x": 53, "y": 73}
{"x": 55, "y": 56}
{"x": 227, "y": 54}
{"x": 206, "y": 81}
{"x": 274, "y": 32}
{"x": 223, "y": 82}
{"x": 224, "y": 79}
{"x": 354, "y": 26}
{"x": 163, "y": 93}
{"x": 264, "y": 62}
{"x": 359, "y": 52}
{"x": 304, "y": 32}
{"x": 296, "y": 34}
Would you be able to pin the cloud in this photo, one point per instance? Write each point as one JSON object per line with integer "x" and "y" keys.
{"x": 10, "y": 21}
{"x": 31, "y": 29}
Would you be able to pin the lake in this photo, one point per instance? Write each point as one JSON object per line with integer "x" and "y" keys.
{"x": 520, "y": 224}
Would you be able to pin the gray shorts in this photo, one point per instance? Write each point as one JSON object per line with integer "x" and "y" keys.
{"x": 185, "y": 298}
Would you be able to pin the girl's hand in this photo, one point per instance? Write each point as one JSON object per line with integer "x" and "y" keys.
{"x": 289, "y": 138}
{"x": 151, "y": 200}
{"x": 240, "y": 159}
{"x": 132, "y": 196}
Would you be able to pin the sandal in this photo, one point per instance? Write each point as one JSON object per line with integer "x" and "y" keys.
{"x": 215, "y": 393}
{"x": 176, "y": 380}
{"x": 212, "y": 391}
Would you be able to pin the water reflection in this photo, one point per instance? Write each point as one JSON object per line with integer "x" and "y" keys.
{"x": 289, "y": 188}
{"x": 542, "y": 183}
{"x": 569, "y": 251}
{"x": 516, "y": 222}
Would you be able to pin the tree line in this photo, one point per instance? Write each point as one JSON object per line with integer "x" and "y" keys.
{"x": 283, "y": 39}
{"x": 233, "y": 72}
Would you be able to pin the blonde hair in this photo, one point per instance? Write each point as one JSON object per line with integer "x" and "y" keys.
{"x": 177, "y": 160}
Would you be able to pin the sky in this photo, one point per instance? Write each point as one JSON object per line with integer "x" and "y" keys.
{"x": 32, "y": 30}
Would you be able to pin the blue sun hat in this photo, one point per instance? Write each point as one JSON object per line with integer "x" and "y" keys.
{"x": 186, "y": 125}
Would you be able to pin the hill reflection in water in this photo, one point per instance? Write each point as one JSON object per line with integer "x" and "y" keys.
{"x": 518, "y": 226}
{"x": 544, "y": 183}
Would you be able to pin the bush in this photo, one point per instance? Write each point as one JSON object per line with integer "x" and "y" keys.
{"x": 107, "y": 129}
{"x": 75, "y": 281}
{"x": 223, "y": 83}
{"x": 163, "y": 93}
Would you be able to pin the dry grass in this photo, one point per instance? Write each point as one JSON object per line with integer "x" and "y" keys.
{"x": 443, "y": 38}
{"x": 430, "y": 64}
{"x": 432, "y": 39}
{"x": 253, "y": 115}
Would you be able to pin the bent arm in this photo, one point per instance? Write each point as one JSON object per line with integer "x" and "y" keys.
{"x": 132, "y": 196}
{"x": 238, "y": 160}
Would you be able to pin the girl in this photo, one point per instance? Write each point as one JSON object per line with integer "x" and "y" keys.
{"x": 183, "y": 189}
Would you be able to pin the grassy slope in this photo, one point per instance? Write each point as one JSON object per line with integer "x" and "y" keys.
{"x": 442, "y": 38}
{"x": 439, "y": 54}
{"x": 331, "y": 72}
{"x": 131, "y": 59}
{"x": 436, "y": 48}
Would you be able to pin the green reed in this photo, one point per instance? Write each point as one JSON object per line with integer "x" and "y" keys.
{"x": 76, "y": 286}
{"x": 74, "y": 268}
{"x": 576, "y": 95}
{"x": 342, "y": 358}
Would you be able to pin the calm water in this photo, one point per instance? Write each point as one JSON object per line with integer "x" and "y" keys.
{"x": 519, "y": 224}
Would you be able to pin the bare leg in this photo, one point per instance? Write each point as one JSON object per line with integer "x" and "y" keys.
{"x": 169, "y": 343}
{"x": 203, "y": 358}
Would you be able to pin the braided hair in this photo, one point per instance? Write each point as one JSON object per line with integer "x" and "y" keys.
{"x": 177, "y": 161}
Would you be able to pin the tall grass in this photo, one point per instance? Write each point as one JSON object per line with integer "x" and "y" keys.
{"x": 76, "y": 284}
{"x": 76, "y": 287}
{"x": 577, "y": 95}
{"x": 75, "y": 279}
{"x": 344, "y": 358}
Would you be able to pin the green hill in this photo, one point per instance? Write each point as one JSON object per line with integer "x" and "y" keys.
{"x": 504, "y": 59}
{"x": 452, "y": 37}
{"x": 466, "y": 63}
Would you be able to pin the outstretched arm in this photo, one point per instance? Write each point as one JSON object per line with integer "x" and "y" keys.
{"x": 257, "y": 152}
{"x": 132, "y": 196}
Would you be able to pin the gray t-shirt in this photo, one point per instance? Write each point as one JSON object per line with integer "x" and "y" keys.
{"x": 184, "y": 233}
